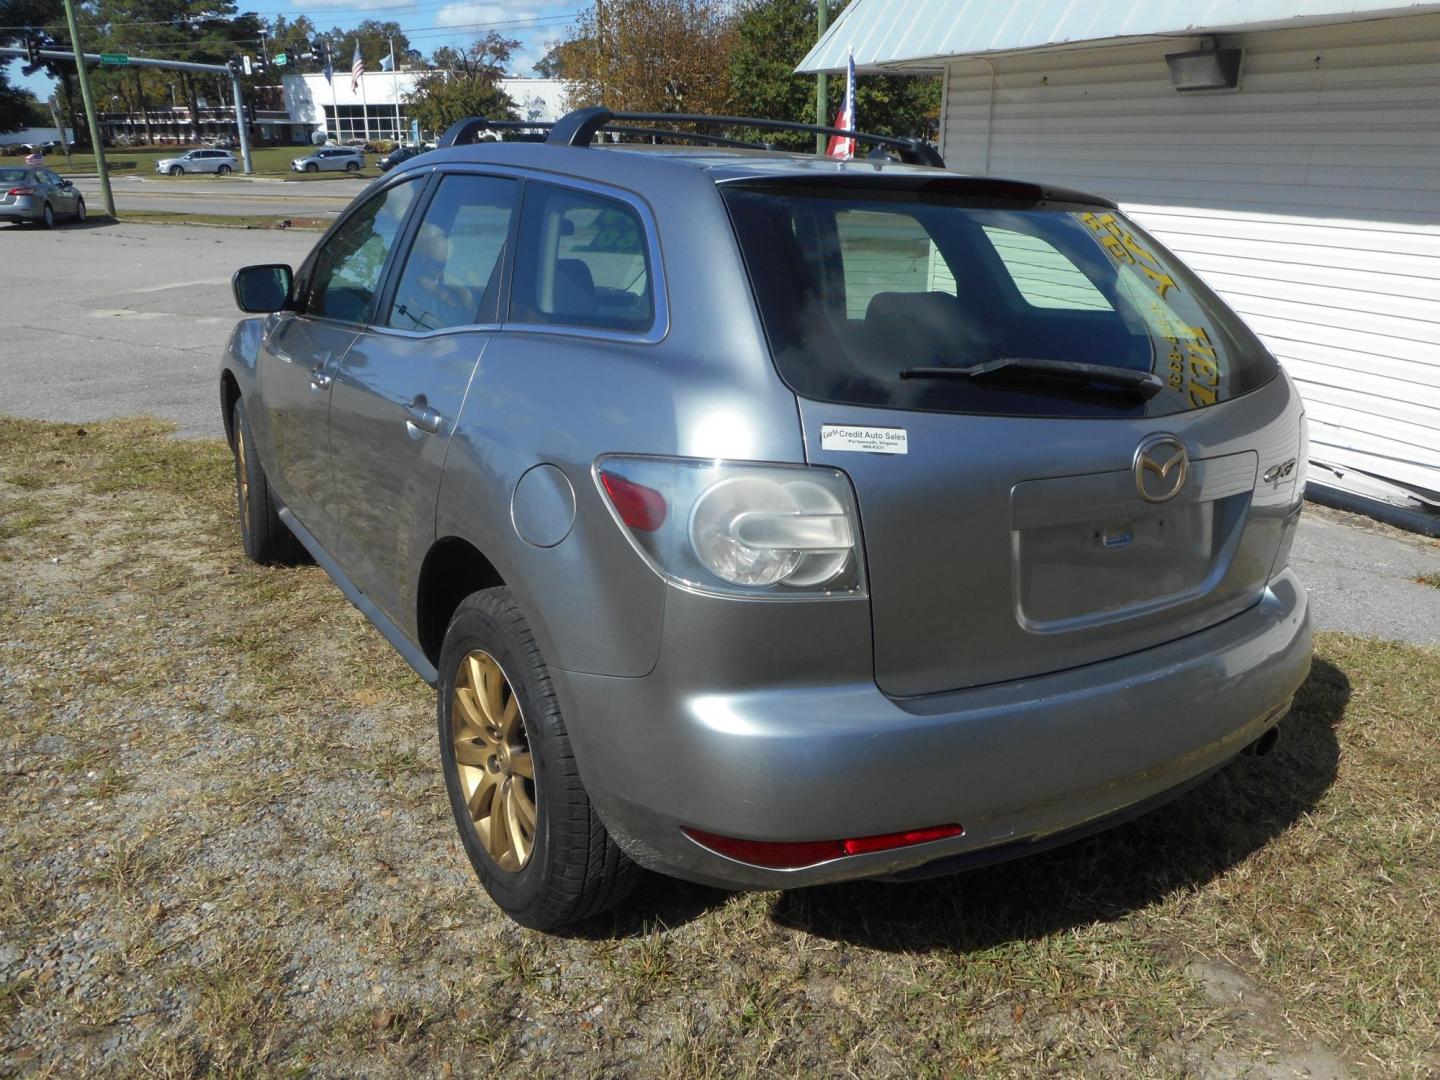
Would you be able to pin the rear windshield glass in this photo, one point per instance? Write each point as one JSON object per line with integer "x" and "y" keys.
{"x": 856, "y": 286}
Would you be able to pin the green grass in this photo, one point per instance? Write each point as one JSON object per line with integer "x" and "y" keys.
{"x": 264, "y": 864}
{"x": 1433, "y": 580}
{"x": 271, "y": 161}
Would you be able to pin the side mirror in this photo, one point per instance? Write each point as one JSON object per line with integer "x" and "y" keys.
{"x": 262, "y": 289}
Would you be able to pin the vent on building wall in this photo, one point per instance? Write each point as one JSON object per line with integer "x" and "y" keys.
{"x": 1209, "y": 69}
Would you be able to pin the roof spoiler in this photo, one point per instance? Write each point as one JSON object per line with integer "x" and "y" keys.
{"x": 579, "y": 128}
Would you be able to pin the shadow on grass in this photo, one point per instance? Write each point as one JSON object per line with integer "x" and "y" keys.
{"x": 1181, "y": 845}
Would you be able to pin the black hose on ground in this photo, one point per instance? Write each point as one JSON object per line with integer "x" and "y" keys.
{"x": 1416, "y": 521}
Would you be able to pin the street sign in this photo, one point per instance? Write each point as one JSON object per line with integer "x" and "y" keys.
{"x": 245, "y": 63}
{"x": 280, "y": 60}
{"x": 414, "y": 132}
{"x": 114, "y": 59}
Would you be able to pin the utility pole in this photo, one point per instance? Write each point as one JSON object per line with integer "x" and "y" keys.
{"x": 822, "y": 81}
{"x": 239, "y": 95}
{"x": 90, "y": 118}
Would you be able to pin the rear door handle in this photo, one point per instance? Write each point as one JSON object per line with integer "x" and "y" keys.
{"x": 420, "y": 415}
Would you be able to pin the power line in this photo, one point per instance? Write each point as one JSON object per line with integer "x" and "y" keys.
{"x": 181, "y": 24}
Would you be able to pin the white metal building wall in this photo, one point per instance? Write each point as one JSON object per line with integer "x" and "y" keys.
{"x": 1310, "y": 199}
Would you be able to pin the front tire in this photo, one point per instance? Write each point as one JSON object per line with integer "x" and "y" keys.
{"x": 47, "y": 217}
{"x": 176, "y": 170}
{"x": 263, "y": 535}
{"x": 526, "y": 823}
{"x": 312, "y": 167}
{"x": 80, "y": 211}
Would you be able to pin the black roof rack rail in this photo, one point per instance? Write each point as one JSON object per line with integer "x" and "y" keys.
{"x": 578, "y": 128}
{"x": 464, "y": 131}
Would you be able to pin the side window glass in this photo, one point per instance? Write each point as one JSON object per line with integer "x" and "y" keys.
{"x": 887, "y": 252}
{"x": 582, "y": 260}
{"x": 1045, "y": 277}
{"x": 452, "y": 271}
{"x": 347, "y": 269}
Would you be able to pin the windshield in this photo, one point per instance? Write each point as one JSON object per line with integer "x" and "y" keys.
{"x": 857, "y": 285}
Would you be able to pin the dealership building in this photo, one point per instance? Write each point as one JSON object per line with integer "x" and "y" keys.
{"x": 304, "y": 106}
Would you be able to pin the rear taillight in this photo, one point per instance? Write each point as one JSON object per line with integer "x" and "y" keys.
{"x": 21, "y": 191}
{"x": 779, "y": 855}
{"x": 738, "y": 529}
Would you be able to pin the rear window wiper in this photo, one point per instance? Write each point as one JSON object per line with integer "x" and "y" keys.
{"x": 1143, "y": 384}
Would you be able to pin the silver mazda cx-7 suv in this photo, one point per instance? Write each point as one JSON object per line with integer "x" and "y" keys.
{"x": 766, "y": 519}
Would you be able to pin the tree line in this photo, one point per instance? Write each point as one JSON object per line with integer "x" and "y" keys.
{"x": 709, "y": 56}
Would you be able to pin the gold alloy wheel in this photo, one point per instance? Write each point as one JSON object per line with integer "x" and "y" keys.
{"x": 493, "y": 760}
{"x": 242, "y": 477}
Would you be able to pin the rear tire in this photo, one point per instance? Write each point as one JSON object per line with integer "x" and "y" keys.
{"x": 351, "y": 166}
{"x": 559, "y": 865}
{"x": 262, "y": 534}
{"x": 223, "y": 170}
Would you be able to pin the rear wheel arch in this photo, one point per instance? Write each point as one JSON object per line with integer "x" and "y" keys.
{"x": 453, "y": 569}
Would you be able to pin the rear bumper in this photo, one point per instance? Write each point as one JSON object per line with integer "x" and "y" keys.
{"x": 1013, "y": 763}
{"x": 21, "y": 210}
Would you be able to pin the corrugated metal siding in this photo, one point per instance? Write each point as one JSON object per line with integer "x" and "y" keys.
{"x": 904, "y": 33}
{"x": 1310, "y": 200}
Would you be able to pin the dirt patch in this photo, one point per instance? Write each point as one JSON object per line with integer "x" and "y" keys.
{"x": 224, "y": 849}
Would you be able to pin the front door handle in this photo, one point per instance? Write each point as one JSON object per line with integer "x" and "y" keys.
{"x": 420, "y": 415}
{"x": 319, "y": 378}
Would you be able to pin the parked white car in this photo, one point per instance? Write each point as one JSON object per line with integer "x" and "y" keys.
{"x": 331, "y": 159}
{"x": 222, "y": 162}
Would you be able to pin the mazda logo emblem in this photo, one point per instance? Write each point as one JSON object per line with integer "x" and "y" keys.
{"x": 1161, "y": 466}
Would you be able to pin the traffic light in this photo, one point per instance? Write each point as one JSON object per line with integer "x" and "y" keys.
{"x": 32, "y": 49}
{"x": 321, "y": 51}
{"x": 235, "y": 64}
{"x": 259, "y": 65}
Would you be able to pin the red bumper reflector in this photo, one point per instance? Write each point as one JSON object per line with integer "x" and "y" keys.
{"x": 779, "y": 855}
{"x": 639, "y": 507}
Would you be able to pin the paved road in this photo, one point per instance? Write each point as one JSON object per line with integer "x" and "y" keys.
{"x": 119, "y": 320}
{"x": 116, "y": 320}
{"x": 1362, "y": 576}
{"x": 312, "y": 198}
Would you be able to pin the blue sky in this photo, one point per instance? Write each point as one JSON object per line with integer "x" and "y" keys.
{"x": 429, "y": 23}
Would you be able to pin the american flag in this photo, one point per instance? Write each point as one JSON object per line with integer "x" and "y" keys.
{"x": 357, "y": 68}
{"x": 841, "y": 147}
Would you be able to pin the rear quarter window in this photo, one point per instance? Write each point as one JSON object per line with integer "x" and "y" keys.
{"x": 582, "y": 260}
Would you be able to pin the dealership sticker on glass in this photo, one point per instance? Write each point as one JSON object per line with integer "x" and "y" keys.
{"x": 869, "y": 440}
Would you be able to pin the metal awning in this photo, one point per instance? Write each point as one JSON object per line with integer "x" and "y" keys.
{"x": 920, "y": 35}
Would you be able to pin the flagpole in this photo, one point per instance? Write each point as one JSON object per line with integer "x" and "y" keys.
{"x": 364, "y": 102}
{"x": 395, "y": 89}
